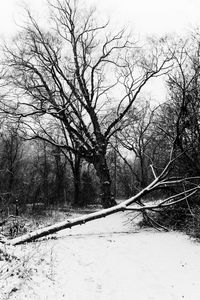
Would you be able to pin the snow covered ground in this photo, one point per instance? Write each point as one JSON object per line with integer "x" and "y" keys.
{"x": 107, "y": 259}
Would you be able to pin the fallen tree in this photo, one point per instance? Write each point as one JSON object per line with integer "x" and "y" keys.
{"x": 135, "y": 203}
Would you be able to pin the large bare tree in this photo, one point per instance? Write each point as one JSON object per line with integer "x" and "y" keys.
{"x": 75, "y": 72}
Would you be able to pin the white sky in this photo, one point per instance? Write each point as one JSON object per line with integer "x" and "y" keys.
{"x": 144, "y": 17}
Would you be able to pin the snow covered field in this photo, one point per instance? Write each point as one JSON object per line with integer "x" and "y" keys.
{"x": 107, "y": 259}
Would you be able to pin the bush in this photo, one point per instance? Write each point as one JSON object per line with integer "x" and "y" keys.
{"x": 183, "y": 217}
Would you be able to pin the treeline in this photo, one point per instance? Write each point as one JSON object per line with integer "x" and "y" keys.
{"x": 33, "y": 172}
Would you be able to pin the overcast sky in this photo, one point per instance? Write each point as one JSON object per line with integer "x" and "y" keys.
{"x": 144, "y": 16}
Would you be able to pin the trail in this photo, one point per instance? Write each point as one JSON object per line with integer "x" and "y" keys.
{"x": 110, "y": 259}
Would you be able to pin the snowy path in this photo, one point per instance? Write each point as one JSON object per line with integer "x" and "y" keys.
{"x": 110, "y": 260}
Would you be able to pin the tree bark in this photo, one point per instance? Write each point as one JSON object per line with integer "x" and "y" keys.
{"x": 77, "y": 181}
{"x": 103, "y": 173}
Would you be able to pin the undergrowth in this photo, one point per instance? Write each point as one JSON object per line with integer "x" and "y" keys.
{"x": 181, "y": 217}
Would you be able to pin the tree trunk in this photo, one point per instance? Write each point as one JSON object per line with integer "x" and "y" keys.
{"x": 77, "y": 181}
{"x": 103, "y": 173}
{"x": 60, "y": 177}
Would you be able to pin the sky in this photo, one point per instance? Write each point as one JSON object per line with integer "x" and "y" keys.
{"x": 151, "y": 17}
{"x": 143, "y": 17}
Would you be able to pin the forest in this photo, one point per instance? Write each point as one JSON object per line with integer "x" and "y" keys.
{"x": 78, "y": 128}
{"x": 84, "y": 141}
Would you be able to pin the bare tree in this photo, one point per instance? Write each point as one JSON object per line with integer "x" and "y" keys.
{"x": 74, "y": 73}
{"x": 138, "y": 138}
{"x": 11, "y": 153}
{"x": 179, "y": 115}
{"x": 57, "y": 135}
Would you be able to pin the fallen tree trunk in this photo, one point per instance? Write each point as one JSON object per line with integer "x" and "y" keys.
{"x": 80, "y": 220}
{"x": 158, "y": 181}
{"x": 63, "y": 225}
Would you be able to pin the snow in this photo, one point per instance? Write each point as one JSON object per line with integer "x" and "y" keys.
{"x": 108, "y": 259}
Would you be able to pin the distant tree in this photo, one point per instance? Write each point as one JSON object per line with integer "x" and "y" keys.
{"x": 88, "y": 193}
{"x": 126, "y": 180}
{"x": 56, "y": 135}
{"x": 60, "y": 176}
{"x": 137, "y": 137}
{"x": 11, "y": 153}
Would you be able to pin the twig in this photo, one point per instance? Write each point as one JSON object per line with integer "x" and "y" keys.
{"x": 153, "y": 171}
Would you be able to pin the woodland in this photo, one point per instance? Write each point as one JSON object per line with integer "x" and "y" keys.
{"x": 78, "y": 129}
